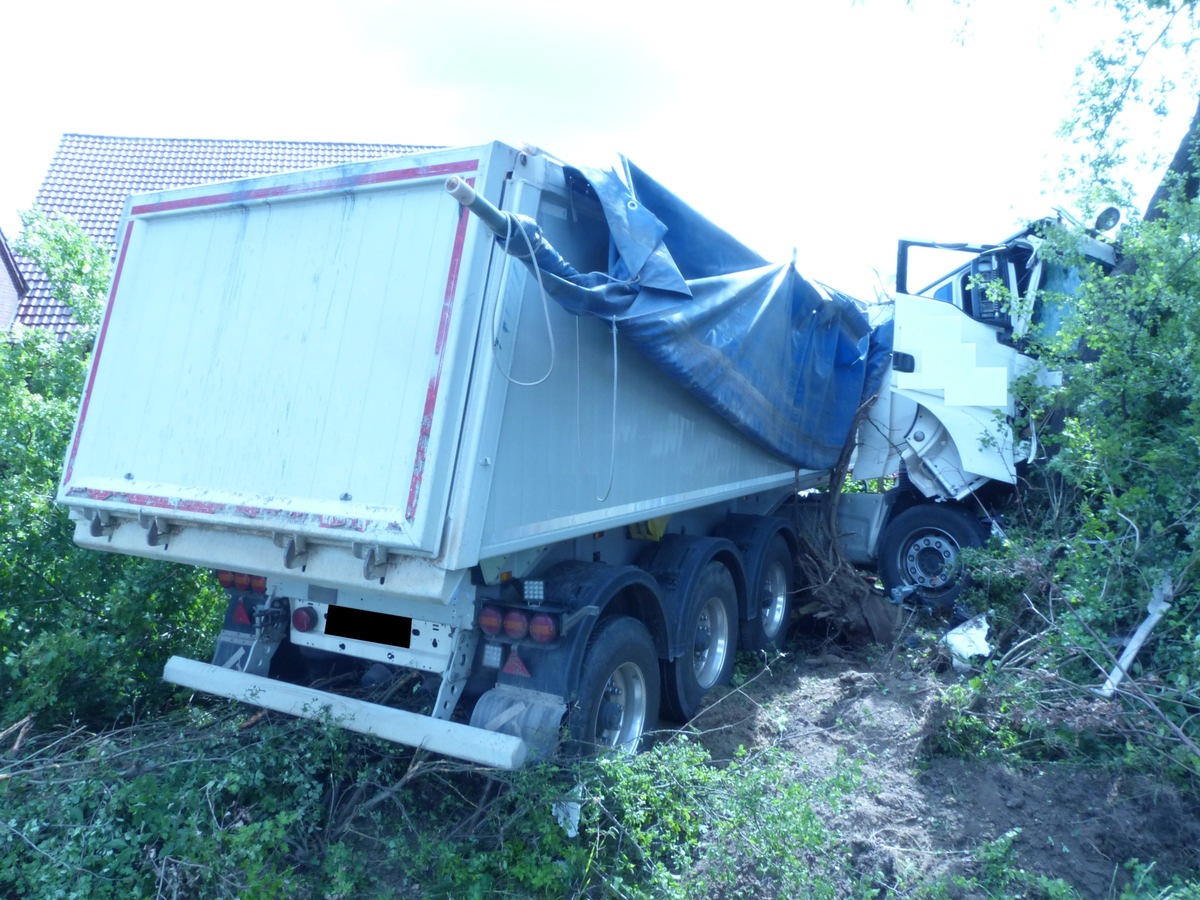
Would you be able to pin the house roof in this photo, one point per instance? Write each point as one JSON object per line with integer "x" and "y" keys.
{"x": 11, "y": 267}
{"x": 91, "y": 175}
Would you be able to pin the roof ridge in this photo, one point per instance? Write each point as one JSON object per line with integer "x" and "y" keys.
{"x": 269, "y": 141}
{"x": 91, "y": 175}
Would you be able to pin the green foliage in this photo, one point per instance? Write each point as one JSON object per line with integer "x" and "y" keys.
{"x": 76, "y": 267}
{"x": 1145, "y": 883}
{"x": 181, "y": 808}
{"x": 1123, "y": 88}
{"x": 968, "y": 720}
{"x": 208, "y": 803}
{"x": 995, "y": 873}
{"x": 82, "y": 634}
{"x": 167, "y": 810}
{"x": 201, "y": 807}
{"x": 1115, "y": 508}
{"x": 664, "y": 823}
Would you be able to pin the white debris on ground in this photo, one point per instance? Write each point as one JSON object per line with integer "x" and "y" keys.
{"x": 967, "y": 641}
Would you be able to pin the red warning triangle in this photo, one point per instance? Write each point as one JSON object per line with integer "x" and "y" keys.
{"x": 240, "y": 616}
{"x": 515, "y": 665}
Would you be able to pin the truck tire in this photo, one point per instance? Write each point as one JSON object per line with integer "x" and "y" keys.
{"x": 919, "y": 553}
{"x": 618, "y": 693}
{"x": 773, "y": 594}
{"x": 710, "y": 632}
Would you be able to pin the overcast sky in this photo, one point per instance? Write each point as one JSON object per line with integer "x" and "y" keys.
{"x": 833, "y": 128}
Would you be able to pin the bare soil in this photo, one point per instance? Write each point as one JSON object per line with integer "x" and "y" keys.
{"x": 926, "y": 814}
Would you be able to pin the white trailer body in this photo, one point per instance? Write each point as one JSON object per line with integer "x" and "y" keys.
{"x": 334, "y": 380}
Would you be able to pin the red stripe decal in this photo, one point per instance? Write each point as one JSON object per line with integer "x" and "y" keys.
{"x": 431, "y": 392}
{"x": 150, "y": 500}
{"x": 207, "y": 507}
{"x": 200, "y": 506}
{"x": 154, "y": 501}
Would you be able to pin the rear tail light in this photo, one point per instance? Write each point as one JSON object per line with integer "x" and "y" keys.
{"x": 491, "y": 620}
{"x": 516, "y": 624}
{"x": 304, "y": 619}
{"x": 543, "y": 628}
{"x": 240, "y": 581}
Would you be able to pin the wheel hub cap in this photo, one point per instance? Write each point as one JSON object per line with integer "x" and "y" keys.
{"x": 931, "y": 560}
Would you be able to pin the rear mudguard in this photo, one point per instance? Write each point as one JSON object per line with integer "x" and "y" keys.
{"x": 590, "y": 592}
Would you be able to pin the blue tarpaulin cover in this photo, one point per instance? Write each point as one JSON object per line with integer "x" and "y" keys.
{"x": 787, "y": 363}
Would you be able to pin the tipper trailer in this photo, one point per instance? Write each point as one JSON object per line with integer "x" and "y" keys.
{"x": 535, "y": 432}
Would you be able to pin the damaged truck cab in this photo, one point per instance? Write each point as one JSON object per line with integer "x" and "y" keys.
{"x": 960, "y": 342}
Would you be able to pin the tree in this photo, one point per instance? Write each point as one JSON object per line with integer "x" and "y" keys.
{"x": 77, "y": 268}
{"x": 1112, "y": 517}
{"x": 1118, "y": 80}
{"x": 82, "y": 634}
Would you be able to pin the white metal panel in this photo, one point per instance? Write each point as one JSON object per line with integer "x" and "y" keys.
{"x": 286, "y": 353}
{"x": 957, "y": 358}
{"x": 578, "y": 469}
{"x": 963, "y": 376}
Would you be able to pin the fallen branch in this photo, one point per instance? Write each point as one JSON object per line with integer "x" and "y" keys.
{"x": 22, "y": 729}
{"x": 1159, "y": 603}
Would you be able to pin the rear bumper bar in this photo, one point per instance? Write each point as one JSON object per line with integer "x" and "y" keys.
{"x": 448, "y": 738}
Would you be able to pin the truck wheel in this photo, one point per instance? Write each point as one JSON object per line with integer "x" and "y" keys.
{"x": 768, "y": 629}
{"x": 618, "y": 688}
{"x": 919, "y": 552}
{"x": 710, "y": 634}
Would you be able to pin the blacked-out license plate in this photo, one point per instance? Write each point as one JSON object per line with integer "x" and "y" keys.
{"x": 363, "y": 625}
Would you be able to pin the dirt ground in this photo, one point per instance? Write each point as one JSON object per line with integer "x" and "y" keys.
{"x": 928, "y": 813}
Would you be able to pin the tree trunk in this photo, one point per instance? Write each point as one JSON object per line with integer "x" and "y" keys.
{"x": 1182, "y": 167}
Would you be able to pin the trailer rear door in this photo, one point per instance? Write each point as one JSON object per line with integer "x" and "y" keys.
{"x": 285, "y": 354}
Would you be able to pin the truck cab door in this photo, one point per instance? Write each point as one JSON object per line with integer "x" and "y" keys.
{"x": 958, "y": 433}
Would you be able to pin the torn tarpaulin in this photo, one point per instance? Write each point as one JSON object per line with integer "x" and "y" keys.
{"x": 785, "y": 362}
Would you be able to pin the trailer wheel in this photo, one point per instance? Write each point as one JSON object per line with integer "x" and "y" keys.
{"x": 919, "y": 552}
{"x": 768, "y": 629}
{"x": 618, "y": 688}
{"x": 710, "y": 633}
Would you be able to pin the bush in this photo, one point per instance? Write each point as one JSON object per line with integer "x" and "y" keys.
{"x": 175, "y": 808}
{"x": 83, "y": 635}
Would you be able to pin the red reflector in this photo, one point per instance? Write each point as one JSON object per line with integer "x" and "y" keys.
{"x": 543, "y": 628}
{"x": 516, "y": 624}
{"x": 225, "y": 578}
{"x": 241, "y": 581}
{"x": 258, "y": 584}
{"x": 240, "y": 615}
{"x": 490, "y": 620}
{"x": 304, "y": 619}
{"x": 514, "y": 665}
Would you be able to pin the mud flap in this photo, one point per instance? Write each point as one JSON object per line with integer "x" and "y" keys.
{"x": 534, "y": 716}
